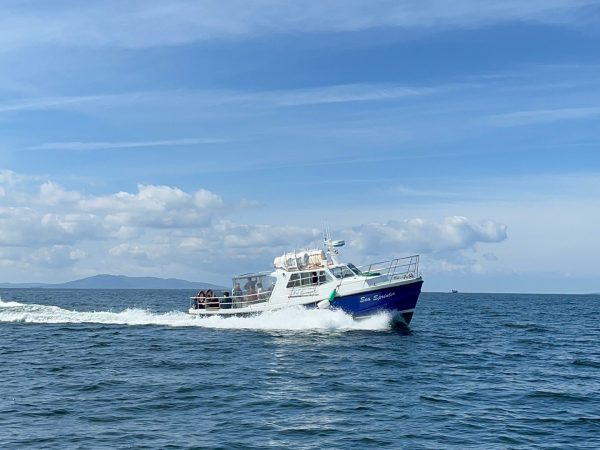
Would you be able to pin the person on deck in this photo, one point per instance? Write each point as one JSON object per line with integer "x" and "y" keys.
{"x": 250, "y": 295}
{"x": 200, "y": 300}
{"x": 251, "y": 283}
{"x": 237, "y": 290}
{"x": 226, "y": 301}
{"x": 260, "y": 291}
{"x": 211, "y": 300}
{"x": 238, "y": 296}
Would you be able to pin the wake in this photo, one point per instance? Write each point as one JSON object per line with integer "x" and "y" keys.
{"x": 289, "y": 319}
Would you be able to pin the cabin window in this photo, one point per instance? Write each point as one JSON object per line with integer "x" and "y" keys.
{"x": 354, "y": 269}
{"x": 314, "y": 278}
{"x": 305, "y": 277}
{"x": 294, "y": 280}
{"x": 342, "y": 272}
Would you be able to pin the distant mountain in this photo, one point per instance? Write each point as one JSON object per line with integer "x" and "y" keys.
{"x": 23, "y": 285}
{"x": 118, "y": 282}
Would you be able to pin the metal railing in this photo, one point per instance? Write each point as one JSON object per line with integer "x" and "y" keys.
{"x": 393, "y": 269}
{"x": 229, "y": 302}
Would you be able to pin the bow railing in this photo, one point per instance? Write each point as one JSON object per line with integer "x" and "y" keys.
{"x": 393, "y": 269}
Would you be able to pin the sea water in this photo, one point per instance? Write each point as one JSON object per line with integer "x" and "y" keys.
{"x": 130, "y": 369}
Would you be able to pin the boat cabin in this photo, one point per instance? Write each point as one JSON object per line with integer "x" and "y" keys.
{"x": 251, "y": 288}
{"x": 305, "y": 277}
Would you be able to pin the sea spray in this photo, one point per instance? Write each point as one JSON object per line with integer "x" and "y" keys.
{"x": 296, "y": 318}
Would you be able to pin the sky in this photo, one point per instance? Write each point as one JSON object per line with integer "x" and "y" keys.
{"x": 200, "y": 139}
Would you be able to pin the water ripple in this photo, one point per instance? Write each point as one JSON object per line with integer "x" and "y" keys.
{"x": 120, "y": 369}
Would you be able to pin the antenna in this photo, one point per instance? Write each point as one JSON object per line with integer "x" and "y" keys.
{"x": 326, "y": 232}
{"x": 331, "y": 245}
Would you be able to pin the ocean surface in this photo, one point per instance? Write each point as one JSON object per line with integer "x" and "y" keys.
{"x": 129, "y": 369}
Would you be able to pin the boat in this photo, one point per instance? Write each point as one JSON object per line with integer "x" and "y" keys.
{"x": 454, "y": 291}
{"x": 317, "y": 278}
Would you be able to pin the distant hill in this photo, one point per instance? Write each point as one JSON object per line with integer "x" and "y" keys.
{"x": 23, "y": 285}
{"x": 118, "y": 282}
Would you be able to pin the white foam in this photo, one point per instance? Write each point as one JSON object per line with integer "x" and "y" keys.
{"x": 288, "y": 319}
{"x": 4, "y": 304}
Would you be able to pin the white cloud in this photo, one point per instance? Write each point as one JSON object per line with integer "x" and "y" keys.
{"x": 31, "y": 227}
{"x": 53, "y": 194}
{"x": 165, "y": 231}
{"x": 155, "y": 207}
{"x": 183, "y": 101}
{"x": 56, "y": 216}
{"x": 10, "y": 179}
{"x": 55, "y": 256}
{"x": 192, "y": 244}
{"x": 134, "y": 24}
{"x": 88, "y": 146}
{"x": 140, "y": 252}
{"x": 265, "y": 237}
{"x": 544, "y": 115}
{"x": 424, "y": 236}
{"x": 43, "y": 103}
{"x": 351, "y": 93}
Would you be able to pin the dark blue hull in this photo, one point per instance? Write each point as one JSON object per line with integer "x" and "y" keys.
{"x": 400, "y": 299}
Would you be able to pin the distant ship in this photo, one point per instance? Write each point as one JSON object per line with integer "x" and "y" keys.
{"x": 454, "y": 291}
{"x": 317, "y": 279}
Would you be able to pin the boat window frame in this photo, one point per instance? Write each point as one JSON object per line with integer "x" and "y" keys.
{"x": 312, "y": 277}
{"x": 346, "y": 272}
{"x": 354, "y": 269}
{"x": 267, "y": 279}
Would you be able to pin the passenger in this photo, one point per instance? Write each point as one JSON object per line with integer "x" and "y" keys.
{"x": 238, "y": 296}
{"x": 260, "y": 291}
{"x": 251, "y": 283}
{"x": 251, "y": 294}
{"x": 226, "y": 301}
{"x": 200, "y": 300}
{"x": 237, "y": 290}
{"x": 211, "y": 300}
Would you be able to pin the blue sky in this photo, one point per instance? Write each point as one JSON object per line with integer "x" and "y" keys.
{"x": 196, "y": 139}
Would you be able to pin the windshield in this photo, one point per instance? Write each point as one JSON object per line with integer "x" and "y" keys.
{"x": 342, "y": 272}
{"x": 252, "y": 284}
{"x": 354, "y": 269}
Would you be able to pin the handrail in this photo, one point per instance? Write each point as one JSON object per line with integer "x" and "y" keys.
{"x": 254, "y": 274}
{"x": 229, "y": 302}
{"x": 393, "y": 269}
